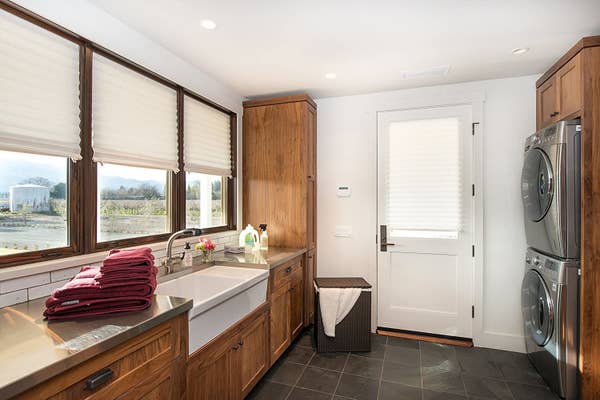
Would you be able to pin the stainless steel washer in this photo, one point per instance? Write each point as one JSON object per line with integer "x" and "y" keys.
{"x": 550, "y": 189}
{"x": 549, "y": 299}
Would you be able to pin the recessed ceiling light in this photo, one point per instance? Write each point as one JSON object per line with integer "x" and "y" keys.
{"x": 520, "y": 50}
{"x": 208, "y": 24}
{"x": 330, "y": 75}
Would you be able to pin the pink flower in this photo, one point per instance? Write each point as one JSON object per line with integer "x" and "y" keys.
{"x": 205, "y": 244}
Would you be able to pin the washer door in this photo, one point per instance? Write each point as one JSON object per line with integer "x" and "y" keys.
{"x": 538, "y": 309}
{"x": 536, "y": 184}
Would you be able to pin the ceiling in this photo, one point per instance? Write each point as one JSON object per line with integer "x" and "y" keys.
{"x": 264, "y": 47}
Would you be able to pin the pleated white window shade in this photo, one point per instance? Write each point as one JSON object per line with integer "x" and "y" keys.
{"x": 39, "y": 90}
{"x": 206, "y": 139}
{"x": 134, "y": 118}
{"x": 423, "y": 176}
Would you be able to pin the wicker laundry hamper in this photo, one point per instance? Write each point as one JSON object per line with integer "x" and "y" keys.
{"x": 353, "y": 333}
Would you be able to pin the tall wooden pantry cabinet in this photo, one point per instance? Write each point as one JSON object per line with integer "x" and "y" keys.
{"x": 279, "y": 176}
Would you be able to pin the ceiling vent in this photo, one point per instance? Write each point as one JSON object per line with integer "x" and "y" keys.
{"x": 432, "y": 72}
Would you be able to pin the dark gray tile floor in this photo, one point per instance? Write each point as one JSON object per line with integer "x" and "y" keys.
{"x": 398, "y": 369}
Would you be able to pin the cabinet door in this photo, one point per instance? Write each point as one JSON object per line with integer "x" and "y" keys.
{"x": 296, "y": 304}
{"x": 252, "y": 356}
{"x": 209, "y": 372}
{"x": 547, "y": 103}
{"x": 311, "y": 214}
{"x": 280, "y": 321}
{"x": 162, "y": 385}
{"x": 568, "y": 82}
{"x": 309, "y": 291}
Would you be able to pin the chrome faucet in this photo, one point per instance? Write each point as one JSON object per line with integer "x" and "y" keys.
{"x": 185, "y": 232}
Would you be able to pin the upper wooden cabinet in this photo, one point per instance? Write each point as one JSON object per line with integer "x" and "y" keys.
{"x": 279, "y": 169}
{"x": 560, "y": 96}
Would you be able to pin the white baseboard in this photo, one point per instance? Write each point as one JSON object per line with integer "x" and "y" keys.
{"x": 501, "y": 341}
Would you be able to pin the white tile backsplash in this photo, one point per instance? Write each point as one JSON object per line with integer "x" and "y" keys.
{"x": 25, "y": 282}
{"x": 37, "y": 285}
{"x": 63, "y": 274}
{"x": 44, "y": 290}
{"x": 13, "y": 298}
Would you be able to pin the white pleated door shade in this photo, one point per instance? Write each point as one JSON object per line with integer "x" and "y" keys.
{"x": 423, "y": 176}
{"x": 206, "y": 139}
{"x": 134, "y": 118}
{"x": 39, "y": 90}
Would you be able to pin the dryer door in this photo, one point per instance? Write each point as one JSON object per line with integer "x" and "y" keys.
{"x": 538, "y": 308}
{"x": 536, "y": 184}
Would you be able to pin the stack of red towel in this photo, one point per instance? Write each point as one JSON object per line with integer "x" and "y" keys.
{"x": 125, "y": 282}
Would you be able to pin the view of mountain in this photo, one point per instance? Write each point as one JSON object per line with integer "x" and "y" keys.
{"x": 15, "y": 172}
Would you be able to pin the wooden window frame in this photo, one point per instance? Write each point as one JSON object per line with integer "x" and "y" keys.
{"x": 82, "y": 175}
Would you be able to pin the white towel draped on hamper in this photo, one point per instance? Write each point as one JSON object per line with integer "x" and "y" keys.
{"x": 335, "y": 304}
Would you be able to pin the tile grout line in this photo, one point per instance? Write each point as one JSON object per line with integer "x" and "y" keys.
{"x": 300, "y": 376}
{"x": 382, "y": 367}
{"x": 340, "y": 378}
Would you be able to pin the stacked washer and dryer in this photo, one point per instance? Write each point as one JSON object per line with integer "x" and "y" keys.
{"x": 550, "y": 188}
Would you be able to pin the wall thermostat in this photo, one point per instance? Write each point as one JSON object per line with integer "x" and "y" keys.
{"x": 344, "y": 191}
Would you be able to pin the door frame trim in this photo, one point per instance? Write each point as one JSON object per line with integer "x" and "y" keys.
{"x": 476, "y": 100}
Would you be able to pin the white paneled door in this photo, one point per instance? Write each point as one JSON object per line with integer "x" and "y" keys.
{"x": 425, "y": 213}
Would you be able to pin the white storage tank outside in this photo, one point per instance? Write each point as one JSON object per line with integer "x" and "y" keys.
{"x": 35, "y": 197}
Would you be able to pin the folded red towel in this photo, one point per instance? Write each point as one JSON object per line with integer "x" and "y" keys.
{"x": 129, "y": 258}
{"x": 94, "y": 307}
{"x": 133, "y": 277}
{"x": 126, "y": 281}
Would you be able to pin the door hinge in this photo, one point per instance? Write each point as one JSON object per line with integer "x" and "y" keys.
{"x": 472, "y": 311}
{"x": 473, "y": 190}
{"x": 473, "y": 127}
{"x": 473, "y": 251}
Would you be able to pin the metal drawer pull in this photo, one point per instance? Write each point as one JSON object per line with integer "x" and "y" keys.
{"x": 94, "y": 381}
{"x": 288, "y": 269}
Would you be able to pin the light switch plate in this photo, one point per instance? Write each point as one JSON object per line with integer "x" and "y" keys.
{"x": 343, "y": 231}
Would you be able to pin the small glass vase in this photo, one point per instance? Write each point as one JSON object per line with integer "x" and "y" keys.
{"x": 207, "y": 256}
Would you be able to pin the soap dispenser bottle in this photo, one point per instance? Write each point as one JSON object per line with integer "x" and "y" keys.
{"x": 264, "y": 237}
{"x": 188, "y": 257}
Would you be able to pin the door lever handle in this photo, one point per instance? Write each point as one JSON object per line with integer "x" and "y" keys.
{"x": 388, "y": 244}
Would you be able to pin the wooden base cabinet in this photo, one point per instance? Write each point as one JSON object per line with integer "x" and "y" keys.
{"x": 280, "y": 321}
{"x": 148, "y": 366}
{"x": 287, "y": 305}
{"x": 230, "y": 365}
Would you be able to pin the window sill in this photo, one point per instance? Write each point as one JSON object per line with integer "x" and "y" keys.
{"x": 20, "y": 271}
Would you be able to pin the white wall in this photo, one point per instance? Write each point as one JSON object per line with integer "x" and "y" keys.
{"x": 346, "y": 154}
{"x": 93, "y": 23}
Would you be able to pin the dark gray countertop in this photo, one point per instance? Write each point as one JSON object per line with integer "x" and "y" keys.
{"x": 272, "y": 257}
{"x": 33, "y": 350}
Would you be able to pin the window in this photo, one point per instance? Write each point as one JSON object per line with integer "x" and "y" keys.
{"x": 424, "y": 175}
{"x": 207, "y": 162}
{"x": 92, "y": 149}
{"x": 33, "y": 202}
{"x": 132, "y": 202}
{"x": 205, "y": 200}
{"x": 39, "y": 135}
{"x": 135, "y": 126}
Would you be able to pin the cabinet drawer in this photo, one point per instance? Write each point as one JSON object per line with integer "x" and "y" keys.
{"x": 282, "y": 274}
{"x": 110, "y": 374}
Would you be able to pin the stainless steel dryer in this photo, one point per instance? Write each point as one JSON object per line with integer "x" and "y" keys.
{"x": 550, "y": 189}
{"x": 549, "y": 299}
